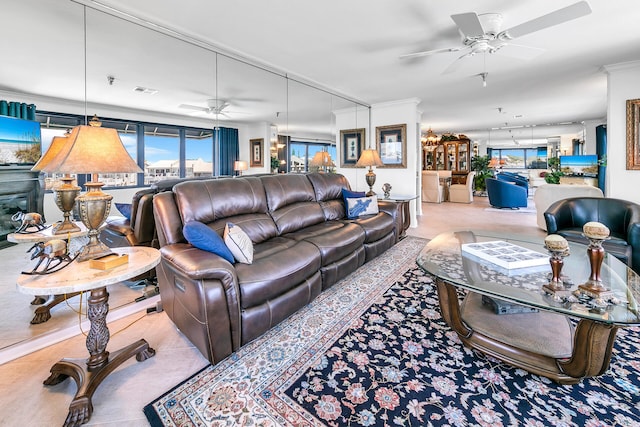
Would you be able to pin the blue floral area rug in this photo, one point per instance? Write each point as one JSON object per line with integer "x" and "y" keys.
{"x": 374, "y": 351}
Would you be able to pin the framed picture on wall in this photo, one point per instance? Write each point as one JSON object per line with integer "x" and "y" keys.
{"x": 257, "y": 158}
{"x": 352, "y": 146}
{"x": 391, "y": 143}
{"x": 633, "y": 134}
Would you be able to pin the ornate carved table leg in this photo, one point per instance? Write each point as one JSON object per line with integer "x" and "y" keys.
{"x": 43, "y": 313}
{"x": 89, "y": 373}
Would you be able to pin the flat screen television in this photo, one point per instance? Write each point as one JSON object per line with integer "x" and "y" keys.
{"x": 586, "y": 165}
{"x": 19, "y": 141}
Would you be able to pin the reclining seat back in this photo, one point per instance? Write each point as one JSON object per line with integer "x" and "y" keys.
{"x": 299, "y": 216}
{"x": 283, "y": 276}
{"x": 292, "y": 203}
{"x": 218, "y": 201}
{"x": 380, "y": 230}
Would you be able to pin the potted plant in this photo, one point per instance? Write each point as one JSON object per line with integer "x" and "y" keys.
{"x": 553, "y": 177}
{"x": 275, "y": 164}
{"x": 480, "y": 164}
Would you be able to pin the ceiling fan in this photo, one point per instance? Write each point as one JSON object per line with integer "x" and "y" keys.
{"x": 483, "y": 33}
{"x": 214, "y": 106}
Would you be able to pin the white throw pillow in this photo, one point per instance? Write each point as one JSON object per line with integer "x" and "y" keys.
{"x": 362, "y": 206}
{"x": 238, "y": 243}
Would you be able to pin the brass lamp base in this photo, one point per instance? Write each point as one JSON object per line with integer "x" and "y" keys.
{"x": 65, "y": 200}
{"x": 370, "y": 177}
{"x": 94, "y": 207}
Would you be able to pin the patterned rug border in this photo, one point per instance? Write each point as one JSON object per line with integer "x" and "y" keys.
{"x": 333, "y": 306}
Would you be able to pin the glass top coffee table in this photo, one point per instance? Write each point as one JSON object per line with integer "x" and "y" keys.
{"x": 541, "y": 338}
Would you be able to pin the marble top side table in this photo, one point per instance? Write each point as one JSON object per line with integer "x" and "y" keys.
{"x": 78, "y": 277}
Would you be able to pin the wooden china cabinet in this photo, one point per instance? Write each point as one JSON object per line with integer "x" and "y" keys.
{"x": 453, "y": 154}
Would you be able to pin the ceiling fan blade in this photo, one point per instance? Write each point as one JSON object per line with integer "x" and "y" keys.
{"x": 193, "y": 107}
{"x": 519, "y": 51}
{"x": 469, "y": 24}
{"x": 430, "y": 52}
{"x": 455, "y": 65}
{"x": 565, "y": 14}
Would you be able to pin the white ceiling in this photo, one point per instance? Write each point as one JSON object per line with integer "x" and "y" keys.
{"x": 352, "y": 47}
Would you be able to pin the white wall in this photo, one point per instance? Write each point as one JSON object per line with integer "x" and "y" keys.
{"x": 622, "y": 84}
{"x": 403, "y": 180}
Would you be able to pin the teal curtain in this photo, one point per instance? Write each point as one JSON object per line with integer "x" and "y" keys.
{"x": 226, "y": 146}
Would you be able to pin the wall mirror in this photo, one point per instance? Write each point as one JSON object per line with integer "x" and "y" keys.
{"x": 133, "y": 73}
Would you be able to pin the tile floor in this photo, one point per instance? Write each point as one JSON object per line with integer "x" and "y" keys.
{"x": 119, "y": 400}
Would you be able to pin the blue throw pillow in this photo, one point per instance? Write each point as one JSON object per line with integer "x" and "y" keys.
{"x": 202, "y": 237}
{"x": 124, "y": 209}
{"x": 348, "y": 194}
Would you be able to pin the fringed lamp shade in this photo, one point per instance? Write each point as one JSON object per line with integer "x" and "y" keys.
{"x": 93, "y": 150}
{"x": 66, "y": 192}
{"x": 369, "y": 157}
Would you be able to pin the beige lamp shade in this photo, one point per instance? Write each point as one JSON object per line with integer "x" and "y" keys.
{"x": 56, "y": 146}
{"x": 320, "y": 159}
{"x": 240, "y": 165}
{"x": 369, "y": 157}
{"x": 92, "y": 150}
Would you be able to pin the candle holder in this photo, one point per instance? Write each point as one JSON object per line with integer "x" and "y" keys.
{"x": 559, "y": 249}
{"x": 596, "y": 233}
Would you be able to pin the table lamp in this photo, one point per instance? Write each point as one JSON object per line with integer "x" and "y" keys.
{"x": 66, "y": 192}
{"x": 93, "y": 150}
{"x": 322, "y": 159}
{"x": 239, "y": 166}
{"x": 369, "y": 157}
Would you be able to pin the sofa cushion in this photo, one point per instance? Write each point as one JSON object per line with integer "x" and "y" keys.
{"x": 202, "y": 237}
{"x": 277, "y": 272}
{"x": 357, "y": 207}
{"x": 328, "y": 189}
{"x": 215, "y": 202}
{"x": 376, "y": 226}
{"x": 334, "y": 239}
{"x": 292, "y": 203}
{"x": 238, "y": 243}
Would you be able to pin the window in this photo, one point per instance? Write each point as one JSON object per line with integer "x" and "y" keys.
{"x": 519, "y": 158}
{"x": 198, "y": 153}
{"x": 160, "y": 143}
{"x": 301, "y": 154}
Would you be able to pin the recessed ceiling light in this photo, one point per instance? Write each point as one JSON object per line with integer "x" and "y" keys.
{"x": 145, "y": 90}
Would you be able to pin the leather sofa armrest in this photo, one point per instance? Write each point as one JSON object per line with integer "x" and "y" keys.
{"x": 200, "y": 285}
{"x": 394, "y": 210}
{"x": 120, "y": 228}
{"x": 197, "y": 264}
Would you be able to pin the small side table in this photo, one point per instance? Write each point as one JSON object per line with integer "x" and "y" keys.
{"x": 406, "y": 211}
{"x": 79, "y": 277}
{"x": 76, "y": 241}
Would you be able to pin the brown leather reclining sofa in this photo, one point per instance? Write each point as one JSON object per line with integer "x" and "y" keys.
{"x": 303, "y": 244}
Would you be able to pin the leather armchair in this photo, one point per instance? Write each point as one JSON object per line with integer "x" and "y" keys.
{"x": 567, "y": 217}
{"x": 504, "y": 194}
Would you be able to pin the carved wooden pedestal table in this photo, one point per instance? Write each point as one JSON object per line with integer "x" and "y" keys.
{"x": 545, "y": 342}
{"x": 79, "y": 277}
{"x": 76, "y": 241}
